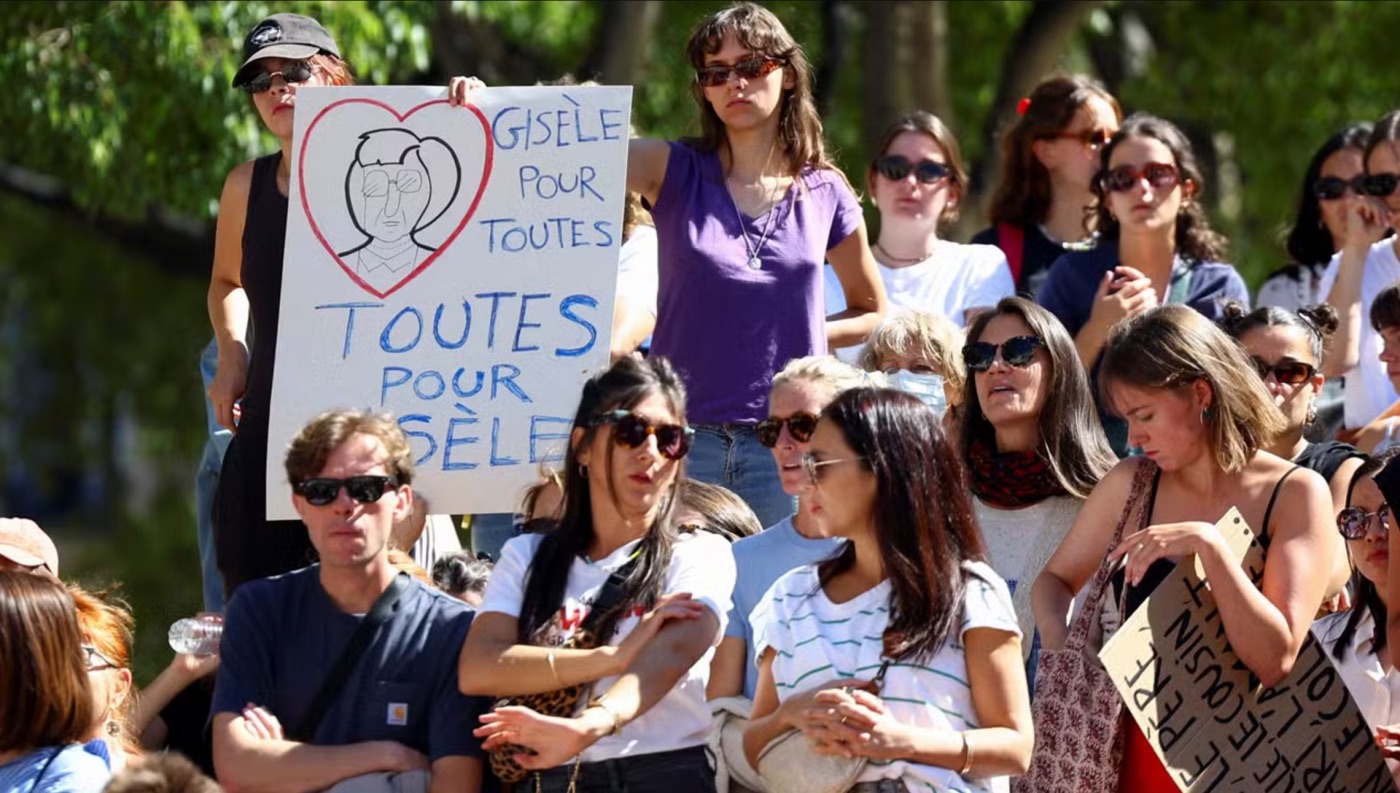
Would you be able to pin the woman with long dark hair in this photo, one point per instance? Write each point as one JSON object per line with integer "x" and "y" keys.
{"x": 1031, "y": 440}
{"x": 1356, "y": 639}
{"x": 745, "y": 215}
{"x": 904, "y": 647}
{"x": 645, "y": 719}
{"x": 47, "y": 709}
{"x": 1195, "y": 405}
{"x": 1156, "y": 245}
{"x": 1049, "y": 158}
{"x": 1335, "y": 173}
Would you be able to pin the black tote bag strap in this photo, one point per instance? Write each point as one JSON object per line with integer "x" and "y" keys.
{"x": 350, "y": 658}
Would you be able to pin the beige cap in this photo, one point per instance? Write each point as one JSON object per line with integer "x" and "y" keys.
{"x": 25, "y": 544}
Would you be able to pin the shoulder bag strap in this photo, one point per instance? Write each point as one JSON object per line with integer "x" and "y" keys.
{"x": 1144, "y": 479}
{"x": 1012, "y": 241}
{"x": 350, "y": 658}
{"x": 609, "y": 597}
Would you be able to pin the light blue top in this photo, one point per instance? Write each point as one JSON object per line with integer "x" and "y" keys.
{"x": 760, "y": 560}
{"x": 72, "y": 771}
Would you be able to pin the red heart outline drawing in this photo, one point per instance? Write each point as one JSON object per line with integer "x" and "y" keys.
{"x": 400, "y": 117}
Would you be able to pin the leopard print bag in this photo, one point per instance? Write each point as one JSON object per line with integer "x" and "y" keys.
{"x": 562, "y": 702}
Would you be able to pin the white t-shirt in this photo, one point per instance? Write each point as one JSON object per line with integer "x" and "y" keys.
{"x": 954, "y": 279}
{"x": 701, "y": 564}
{"x": 636, "y": 268}
{"x": 1368, "y": 391}
{"x": 1375, "y": 691}
{"x": 816, "y": 640}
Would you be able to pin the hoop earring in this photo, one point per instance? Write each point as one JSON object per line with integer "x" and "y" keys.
{"x": 583, "y": 471}
{"x": 1206, "y": 415}
{"x": 1312, "y": 414}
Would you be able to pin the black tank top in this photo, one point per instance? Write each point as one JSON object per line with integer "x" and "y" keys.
{"x": 264, "y": 234}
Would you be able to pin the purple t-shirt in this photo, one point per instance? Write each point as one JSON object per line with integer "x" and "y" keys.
{"x": 725, "y": 327}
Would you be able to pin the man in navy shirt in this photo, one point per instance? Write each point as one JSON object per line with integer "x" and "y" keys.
{"x": 399, "y": 710}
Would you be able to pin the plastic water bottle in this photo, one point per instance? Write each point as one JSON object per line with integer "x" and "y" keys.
{"x": 196, "y": 636}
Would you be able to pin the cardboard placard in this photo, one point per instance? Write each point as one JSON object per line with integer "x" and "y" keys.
{"x": 455, "y": 267}
{"x": 1206, "y": 714}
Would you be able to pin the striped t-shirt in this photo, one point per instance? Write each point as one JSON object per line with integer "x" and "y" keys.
{"x": 816, "y": 641}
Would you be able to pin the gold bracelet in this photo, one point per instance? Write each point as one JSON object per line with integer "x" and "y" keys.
{"x": 966, "y": 753}
{"x": 617, "y": 720}
{"x": 552, "y": 670}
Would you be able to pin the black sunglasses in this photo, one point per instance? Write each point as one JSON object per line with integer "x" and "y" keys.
{"x": 895, "y": 168}
{"x": 1330, "y": 188}
{"x": 294, "y": 72}
{"x": 1354, "y": 522}
{"x": 1380, "y": 185}
{"x": 631, "y": 430}
{"x": 979, "y": 356}
{"x": 1125, "y": 177}
{"x": 1286, "y": 372}
{"x": 364, "y": 489}
{"x": 800, "y": 426}
{"x": 751, "y": 69}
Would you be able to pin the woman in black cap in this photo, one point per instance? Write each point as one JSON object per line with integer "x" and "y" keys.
{"x": 280, "y": 54}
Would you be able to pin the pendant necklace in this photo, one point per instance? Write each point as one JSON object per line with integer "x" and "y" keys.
{"x": 754, "y": 262}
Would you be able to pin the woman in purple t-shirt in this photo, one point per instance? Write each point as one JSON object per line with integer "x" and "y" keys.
{"x": 746, "y": 214}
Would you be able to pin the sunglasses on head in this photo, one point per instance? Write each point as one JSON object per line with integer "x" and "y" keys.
{"x": 294, "y": 72}
{"x": 980, "y": 355}
{"x": 1126, "y": 177}
{"x": 364, "y": 489}
{"x": 751, "y": 69}
{"x": 630, "y": 431}
{"x": 1286, "y": 372}
{"x": 813, "y": 467}
{"x": 1380, "y": 185}
{"x": 800, "y": 427}
{"x": 896, "y": 168}
{"x": 1354, "y": 522}
{"x": 1094, "y": 139}
{"x": 1330, "y": 188}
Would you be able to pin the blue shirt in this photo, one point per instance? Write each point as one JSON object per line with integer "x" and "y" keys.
{"x": 73, "y": 770}
{"x": 760, "y": 560}
{"x": 1069, "y": 289}
{"x": 283, "y": 634}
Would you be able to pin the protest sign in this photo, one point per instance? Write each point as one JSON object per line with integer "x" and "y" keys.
{"x": 455, "y": 267}
{"x": 1206, "y": 714}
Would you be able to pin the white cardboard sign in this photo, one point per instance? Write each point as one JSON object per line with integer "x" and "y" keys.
{"x": 455, "y": 267}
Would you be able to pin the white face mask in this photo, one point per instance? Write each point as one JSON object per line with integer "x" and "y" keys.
{"x": 927, "y": 387}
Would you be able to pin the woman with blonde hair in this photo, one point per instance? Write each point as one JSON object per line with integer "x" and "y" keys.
{"x": 1195, "y": 405}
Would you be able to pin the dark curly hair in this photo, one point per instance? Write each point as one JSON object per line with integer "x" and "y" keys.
{"x": 1317, "y": 322}
{"x": 1195, "y": 239}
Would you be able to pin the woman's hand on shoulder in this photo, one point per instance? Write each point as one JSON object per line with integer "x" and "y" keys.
{"x": 459, "y": 90}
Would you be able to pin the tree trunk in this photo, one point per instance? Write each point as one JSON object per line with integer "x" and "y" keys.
{"x": 625, "y": 29}
{"x": 1038, "y": 45}
{"x": 836, "y": 32}
{"x": 882, "y": 67}
{"x": 929, "y": 50}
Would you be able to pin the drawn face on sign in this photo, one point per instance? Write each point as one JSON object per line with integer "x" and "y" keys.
{"x": 389, "y": 188}
{"x": 393, "y": 199}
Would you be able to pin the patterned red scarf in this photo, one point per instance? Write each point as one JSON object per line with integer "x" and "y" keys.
{"x": 1012, "y": 479}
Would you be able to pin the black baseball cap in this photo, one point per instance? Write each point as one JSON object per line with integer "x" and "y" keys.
{"x": 290, "y": 36}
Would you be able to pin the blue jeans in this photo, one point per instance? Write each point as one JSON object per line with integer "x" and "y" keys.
{"x": 730, "y": 455}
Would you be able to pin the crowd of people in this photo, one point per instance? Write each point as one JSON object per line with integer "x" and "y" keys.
{"x": 834, "y": 541}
